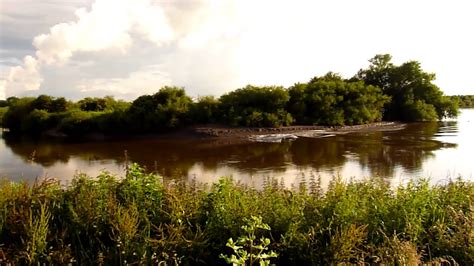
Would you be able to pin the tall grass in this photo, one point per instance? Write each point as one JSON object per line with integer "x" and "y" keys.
{"x": 139, "y": 219}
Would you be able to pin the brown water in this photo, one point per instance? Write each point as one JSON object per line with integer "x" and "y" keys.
{"x": 436, "y": 150}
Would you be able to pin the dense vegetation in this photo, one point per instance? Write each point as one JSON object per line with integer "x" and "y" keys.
{"x": 3, "y": 110}
{"x": 330, "y": 100}
{"x": 413, "y": 95}
{"x": 464, "y": 101}
{"x": 139, "y": 219}
{"x": 383, "y": 91}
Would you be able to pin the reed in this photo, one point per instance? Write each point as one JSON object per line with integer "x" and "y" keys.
{"x": 139, "y": 219}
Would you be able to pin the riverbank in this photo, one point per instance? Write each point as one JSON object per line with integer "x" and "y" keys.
{"x": 300, "y": 131}
{"x": 139, "y": 219}
{"x": 229, "y": 134}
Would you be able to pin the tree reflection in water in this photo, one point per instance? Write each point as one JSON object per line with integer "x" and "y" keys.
{"x": 381, "y": 152}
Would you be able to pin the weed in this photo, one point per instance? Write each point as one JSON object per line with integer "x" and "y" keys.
{"x": 139, "y": 219}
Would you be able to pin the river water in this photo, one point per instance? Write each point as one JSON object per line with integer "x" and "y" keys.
{"x": 439, "y": 151}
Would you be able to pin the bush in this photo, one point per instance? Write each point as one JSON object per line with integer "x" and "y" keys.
{"x": 79, "y": 123}
{"x": 3, "y": 110}
{"x": 256, "y": 107}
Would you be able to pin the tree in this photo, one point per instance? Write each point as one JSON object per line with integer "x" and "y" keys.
{"x": 18, "y": 109}
{"x": 205, "y": 110}
{"x": 3, "y": 110}
{"x": 92, "y": 104}
{"x": 331, "y": 100}
{"x": 410, "y": 88}
{"x": 50, "y": 104}
{"x": 296, "y": 105}
{"x": 463, "y": 101}
{"x": 166, "y": 109}
{"x": 256, "y": 106}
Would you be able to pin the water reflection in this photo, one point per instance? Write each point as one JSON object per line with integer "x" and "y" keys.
{"x": 385, "y": 154}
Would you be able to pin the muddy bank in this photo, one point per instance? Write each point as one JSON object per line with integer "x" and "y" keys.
{"x": 225, "y": 134}
{"x": 300, "y": 131}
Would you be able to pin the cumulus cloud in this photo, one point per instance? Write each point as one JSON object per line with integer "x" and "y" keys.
{"x": 131, "y": 47}
{"x": 25, "y": 77}
{"x": 108, "y": 25}
{"x": 3, "y": 83}
{"x": 136, "y": 81}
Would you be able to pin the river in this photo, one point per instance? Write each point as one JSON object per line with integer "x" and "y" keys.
{"x": 438, "y": 150}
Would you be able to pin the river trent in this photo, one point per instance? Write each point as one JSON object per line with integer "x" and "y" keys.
{"x": 436, "y": 150}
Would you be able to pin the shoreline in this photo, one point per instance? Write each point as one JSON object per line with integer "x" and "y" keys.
{"x": 226, "y": 133}
{"x": 299, "y": 131}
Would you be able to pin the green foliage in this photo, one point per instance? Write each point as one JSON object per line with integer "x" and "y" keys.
{"x": 17, "y": 111}
{"x": 166, "y": 109}
{"x": 414, "y": 96}
{"x": 36, "y": 122}
{"x": 78, "y": 123}
{"x": 107, "y": 103}
{"x": 419, "y": 111}
{"x": 3, "y": 110}
{"x": 205, "y": 110}
{"x": 34, "y": 116}
{"x": 246, "y": 249}
{"x": 92, "y": 104}
{"x": 330, "y": 100}
{"x": 256, "y": 107}
{"x": 464, "y": 101}
{"x": 138, "y": 219}
{"x": 49, "y": 104}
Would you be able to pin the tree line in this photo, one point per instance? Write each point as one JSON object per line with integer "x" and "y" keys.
{"x": 464, "y": 101}
{"x": 383, "y": 91}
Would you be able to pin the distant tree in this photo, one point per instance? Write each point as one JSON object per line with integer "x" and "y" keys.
{"x": 331, "y": 100}
{"x": 59, "y": 105}
{"x": 50, "y": 104}
{"x": 172, "y": 106}
{"x": 3, "y": 110}
{"x": 256, "y": 106}
{"x": 78, "y": 123}
{"x": 141, "y": 116}
{"x": 36, "y": 122}
{"x": 12, "y": 100}
{"x": 296, "y": 105}
{"x": 379, "y": 72}
{"x": 414, "y": 96}
{"x": 42, "y": 102}
{"x": 166, "y": 109}
{"x": 205, "y": 110}
{"x": 92, "y": 104}
{"x": 330, "y": 76}
{"x": 463, "y": 101}
{"x": 18, "y": 109}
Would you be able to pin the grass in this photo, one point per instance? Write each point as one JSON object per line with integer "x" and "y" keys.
{"x": 138, "y": 219}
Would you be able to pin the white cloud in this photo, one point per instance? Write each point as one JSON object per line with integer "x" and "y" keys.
{"x": 213, "y": 46}
{"x": 26, "y": 77}
{"x": 3, "y": 94}
{"x": 136, "y": 81}
{"x": 106, "y": 27}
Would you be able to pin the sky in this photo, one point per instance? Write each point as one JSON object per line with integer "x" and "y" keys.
{"x": 128, "y": 48}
